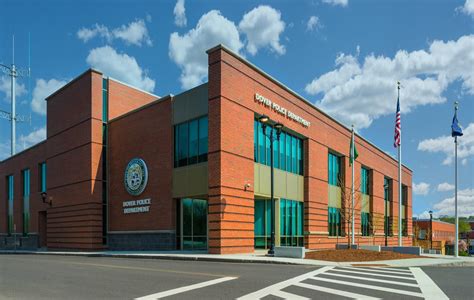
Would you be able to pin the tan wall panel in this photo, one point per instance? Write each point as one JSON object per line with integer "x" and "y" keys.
{"x": 287, "y": 185}
{"x": 190, "y": 181}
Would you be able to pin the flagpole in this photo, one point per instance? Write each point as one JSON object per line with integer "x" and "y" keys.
{"x": 352, "y": 189}
{"x": 456, "y": 253}
{"x": 399, "y": 182}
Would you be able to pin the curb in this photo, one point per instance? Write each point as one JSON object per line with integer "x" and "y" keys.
{"x": 217, "y": 259}
{"x": 163, "y": 257}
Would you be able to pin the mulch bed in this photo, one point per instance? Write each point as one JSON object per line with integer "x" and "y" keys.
{"x": 353, "y": 255}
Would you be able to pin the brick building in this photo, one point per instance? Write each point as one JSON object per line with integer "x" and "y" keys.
{"x": 441, "y": 231}
{"x": 125, "y": 169}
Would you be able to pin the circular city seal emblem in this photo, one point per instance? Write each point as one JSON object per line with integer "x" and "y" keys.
{"x": 136, "y": 176}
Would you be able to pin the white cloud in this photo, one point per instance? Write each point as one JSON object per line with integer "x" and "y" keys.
{"x": 120, "y": 66}
{"x": 43, "y": 89}
{"x": 313, "y": 23}
{"x": 465, "y": 204}
{"x": 425, "y": 215}
{"x": 32, "y": 138}
{"x": 468, "y": 8}
{"x": 342, "y": 3}
{"x": 180, "y": 14}
{"x": 445, "y": 144}
{"x": 357, "y": 93}
{"x": 6, "y": 88}
{"x": 189, "y": 50}
{"x": 86, "y": 34}
{"x": 263, "y": 27}
{"x": 421, "y": 188}
{"x": 135, "y": 33}
{"x": 445, "y": 187}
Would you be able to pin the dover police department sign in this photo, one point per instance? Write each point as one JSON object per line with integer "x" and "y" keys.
{"x": 136, "y": 176}
{"x": 281, "y": 110}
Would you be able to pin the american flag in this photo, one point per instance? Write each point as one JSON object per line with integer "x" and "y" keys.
{"x": 398, "y": 127}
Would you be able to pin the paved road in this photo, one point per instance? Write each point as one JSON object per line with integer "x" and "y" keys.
{"x": 66, "y": 277}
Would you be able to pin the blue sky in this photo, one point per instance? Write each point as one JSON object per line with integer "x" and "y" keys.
{"x": 343, "y": 55}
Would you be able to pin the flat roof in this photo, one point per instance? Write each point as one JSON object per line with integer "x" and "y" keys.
{"x": 239, "y": 57}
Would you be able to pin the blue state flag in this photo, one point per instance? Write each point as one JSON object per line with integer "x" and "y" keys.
{"x": 455, "y": 128}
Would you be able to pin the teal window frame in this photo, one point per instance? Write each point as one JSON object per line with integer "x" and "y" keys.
{"x": 288, "y": 152}
{"x": 43, "y": 176}
{"x": 365, "y": 223}
{"x": 10, "y": 199}
{"x": 334, "y": 222}
{"x": 105, "y": 100}
{"x": 262, "y": 223}
{"x": 365, "y": 179}
{"x": 334, "y": 168}
{"x": 291, "y": 223}
{"x": 386, "y": 182}
{"x": 191, "y": 142}
{"x": 26, "y": 174}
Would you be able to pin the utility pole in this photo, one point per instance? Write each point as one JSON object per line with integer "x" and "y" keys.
{"x": 13, "y": 72}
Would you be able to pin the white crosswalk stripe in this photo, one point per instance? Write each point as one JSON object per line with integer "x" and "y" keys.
{"x": 350, "y": 281}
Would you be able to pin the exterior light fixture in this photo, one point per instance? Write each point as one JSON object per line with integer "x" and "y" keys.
{"x": 44, "y": 196}
{"x": 263, "y": 119}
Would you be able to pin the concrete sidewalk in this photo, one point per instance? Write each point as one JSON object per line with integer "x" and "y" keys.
{"x": 259, "y": 257}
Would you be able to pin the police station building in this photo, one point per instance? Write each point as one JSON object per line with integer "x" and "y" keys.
{"x": 123, "y": 169}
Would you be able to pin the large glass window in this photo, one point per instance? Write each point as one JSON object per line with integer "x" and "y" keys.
{"x": 194, "y": 224}
{"x": 404, "y": 208}
{"x": 42, "y": 177}
{"x": 386, "y": 196}
{"x": 105, "y": 104}
{"x": 365, "y": 223}
{"x": 364, "y": 178}
{"x": 262, "y": 221}
{"x": 291, "y": 223}
{"x": 334, "y": 221}
{"x": 288, "y": 152}
{"x": 191, "y": 142}
{"x": 333, "y": 169}
{"x": 26, "y": 201}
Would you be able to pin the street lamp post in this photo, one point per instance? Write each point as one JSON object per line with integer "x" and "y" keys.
{"x": 386, "y": 214}
{"x": 431, "y": 229}
{"x": 278, "y": 126}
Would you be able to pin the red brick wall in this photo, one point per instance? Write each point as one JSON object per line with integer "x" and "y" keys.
{"x": 232, "y": 88}
{"x": 147, "y": 134}
{"x": 28, "y": 159}
{"x": 123, "y": 98}
{"x": 441, "y": 231}
{"x": 74, "y": 151}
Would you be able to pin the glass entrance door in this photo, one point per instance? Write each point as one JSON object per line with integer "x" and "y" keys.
{"x": 193, "y": 224}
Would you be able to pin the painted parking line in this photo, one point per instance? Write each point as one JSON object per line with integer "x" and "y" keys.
{"x": 185, "y": 289}
{"x": 415, "y": 283}
{"x": 429, "y": 289}
{"x": 376, "y": 271}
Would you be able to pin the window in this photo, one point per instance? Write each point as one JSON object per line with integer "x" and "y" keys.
{"x": 105, "y": 100}
{"x": 42, "y": 177}
{"x": 287, "y": 152}
{"x": 386, "y": 194}
{"x": 334, "y": 221}
{"x": 291, "y": 223}
{"x": 262, "y": 223}
{"x": 365, "y": 223}
{"x": 191, "y": 142}
{"x": 26, "y": 201}
{"x": 364, "y": 184}
{"x": 333, "y": 169}
{"x": 404, "y": 208}
{"x": 10, "y": 194}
